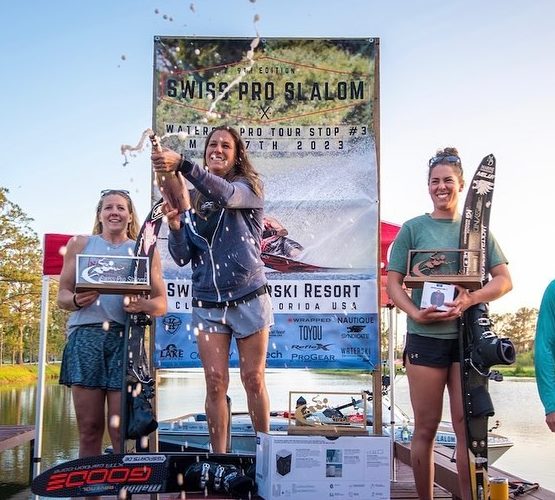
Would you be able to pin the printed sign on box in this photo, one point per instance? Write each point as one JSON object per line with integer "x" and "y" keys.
{"x": 315, "y": 467}
{"x": 437, "y": 294}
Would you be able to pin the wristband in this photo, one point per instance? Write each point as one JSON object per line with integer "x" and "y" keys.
{"x": 75, "y": 302}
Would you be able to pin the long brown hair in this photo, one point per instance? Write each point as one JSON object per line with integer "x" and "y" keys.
{"x": 243, "y": 168}
{"x": 133, "y": 226}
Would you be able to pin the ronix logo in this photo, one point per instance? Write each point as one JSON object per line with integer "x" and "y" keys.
{"x": 311, "y": 347}
{"x": 171, "y": 352}
{"x": 171, "y": 323}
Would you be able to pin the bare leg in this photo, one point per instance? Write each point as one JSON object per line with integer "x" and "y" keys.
{"x": 252, "y": 353}
{"x": 457, "y": 418}
{"x": 114, "y": 412}
{"x": 89, "y": 410}
{"x": 426, "y": 394}
{"x": 214, "y": 354}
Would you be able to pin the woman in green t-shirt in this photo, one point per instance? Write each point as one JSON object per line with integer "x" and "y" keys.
{"x": 431, "y": 353}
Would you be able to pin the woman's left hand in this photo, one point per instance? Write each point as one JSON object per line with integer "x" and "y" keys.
{"x": 134, "y": 304}
{"x": 461, "y": 302}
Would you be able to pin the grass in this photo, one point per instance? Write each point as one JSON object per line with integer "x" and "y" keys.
{"x": 14, "y": 375}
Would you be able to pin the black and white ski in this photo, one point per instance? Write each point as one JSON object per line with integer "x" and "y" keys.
{"x": 136, "y": 373}
{"x": 480, "y": 348}
{"x": 122, "y": 475}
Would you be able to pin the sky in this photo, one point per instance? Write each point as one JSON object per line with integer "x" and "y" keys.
{"x": 77, "y": 84}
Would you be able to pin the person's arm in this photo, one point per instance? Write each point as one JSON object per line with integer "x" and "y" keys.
{"x": 225, "y": 193}
{"x": 544, "y": 354}
{"x": 155, "y": 304}
{"x": 237, "y": 194}
{"x": 67, "y": 298}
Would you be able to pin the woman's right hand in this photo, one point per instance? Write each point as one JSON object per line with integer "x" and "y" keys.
{"x": 165, "y": 160}
{"x": 432, "y": 315}
{"x": 85, "y": 299}
{"x": 172, "y": 216}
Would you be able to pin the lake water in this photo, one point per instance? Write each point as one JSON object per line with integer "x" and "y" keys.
{"x": 516, "y": 403}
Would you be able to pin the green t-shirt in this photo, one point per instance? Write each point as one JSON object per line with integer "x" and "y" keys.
{"x": 425, "y": 233}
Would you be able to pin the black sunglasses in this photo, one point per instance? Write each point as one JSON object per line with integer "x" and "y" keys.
{"x": 105, "y": 192}
{"x": 455, "y": 160}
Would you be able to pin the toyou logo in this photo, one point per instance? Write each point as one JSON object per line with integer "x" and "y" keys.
{"x": 171, "y": 324}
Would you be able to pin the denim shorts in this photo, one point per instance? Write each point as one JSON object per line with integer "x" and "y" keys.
{"x": 241, "y": 320}
{"x": 431, "y": 351}
{"x": 93, "y": 357}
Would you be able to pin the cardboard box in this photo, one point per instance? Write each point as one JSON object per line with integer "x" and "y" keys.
{"x": 316, "y": 467}
{"x": 436, "y": 294}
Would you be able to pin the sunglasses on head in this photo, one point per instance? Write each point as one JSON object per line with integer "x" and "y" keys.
{"x": 455, "y": 160}
{"x": 105, "y": 192}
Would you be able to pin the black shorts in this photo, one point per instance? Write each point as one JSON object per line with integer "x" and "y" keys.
{"x": 431, "y": 351}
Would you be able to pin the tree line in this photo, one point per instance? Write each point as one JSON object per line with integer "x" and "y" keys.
{"x": 21, "y": 290}
{"x": 21, "y": 257}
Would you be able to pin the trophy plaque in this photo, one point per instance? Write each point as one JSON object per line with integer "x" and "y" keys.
{"x": 327, "y": 414}
{"x": 443, "y": 266}
{"x": 112, "y": 274}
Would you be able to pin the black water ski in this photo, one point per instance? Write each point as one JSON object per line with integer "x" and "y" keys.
{"x": 480, "y": 348}
{"x": 136, "y": 374}
{"x": 144, "y": 473}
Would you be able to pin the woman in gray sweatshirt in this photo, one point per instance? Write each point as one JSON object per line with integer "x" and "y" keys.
{"x": 220, "y": 235}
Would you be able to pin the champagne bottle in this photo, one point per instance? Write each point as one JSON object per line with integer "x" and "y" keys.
{"x": 171, "y": 184}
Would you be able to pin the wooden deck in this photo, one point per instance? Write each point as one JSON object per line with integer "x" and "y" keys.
{"x": 15, "y": 435}
{"x": 446, "y": 473}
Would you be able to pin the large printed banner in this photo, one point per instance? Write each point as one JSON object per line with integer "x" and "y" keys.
{"x": 307, "y": 110}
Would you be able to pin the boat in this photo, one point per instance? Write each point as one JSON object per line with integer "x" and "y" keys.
{"x": 190, "y": 432}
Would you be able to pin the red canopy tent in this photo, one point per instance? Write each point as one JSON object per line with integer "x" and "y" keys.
{"x": 388, "y": 232}
{"x": 53, "y": 258}
{"x": 54, "y": 243}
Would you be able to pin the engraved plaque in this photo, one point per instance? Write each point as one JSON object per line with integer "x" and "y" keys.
{"x": 112, "y": 274}
{"x": 443, "y": 266}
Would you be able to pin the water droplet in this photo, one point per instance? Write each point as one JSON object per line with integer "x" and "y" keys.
{"x": 114, "y": 421}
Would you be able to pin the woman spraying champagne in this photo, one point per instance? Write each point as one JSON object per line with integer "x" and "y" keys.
{"x": 221, "y": 237}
